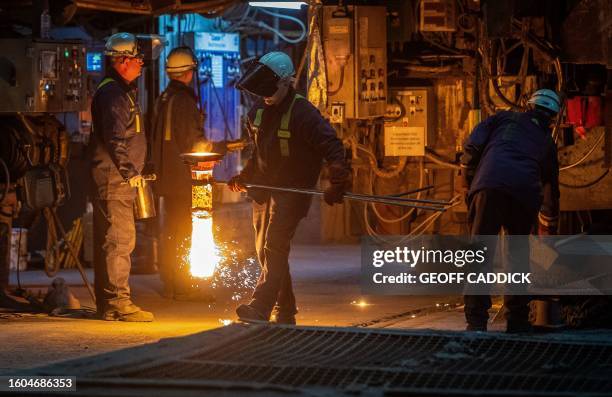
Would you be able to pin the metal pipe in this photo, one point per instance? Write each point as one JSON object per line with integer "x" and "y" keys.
{"x": 411, "y": 191}
{"x": 113, "y": 6}
{"x": 390, "y": 197}
{"x": 350, "y": 196}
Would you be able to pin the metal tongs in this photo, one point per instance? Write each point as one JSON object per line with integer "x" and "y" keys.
{"x": 431, "y": 205}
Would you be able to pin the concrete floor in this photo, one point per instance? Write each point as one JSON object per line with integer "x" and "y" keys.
{"x": 326, "y": 280}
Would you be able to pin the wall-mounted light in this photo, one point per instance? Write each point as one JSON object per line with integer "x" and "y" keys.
{"x": 293, "y": 5}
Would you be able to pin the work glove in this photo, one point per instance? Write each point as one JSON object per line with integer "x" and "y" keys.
{"x": 547, "y": 225}
{"x": 339, "y": 177}
{"x": 136, "y": 181}
{"x": 236, "y": 184}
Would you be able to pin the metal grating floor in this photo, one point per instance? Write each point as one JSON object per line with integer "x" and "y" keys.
{"x": 347, "y": 359}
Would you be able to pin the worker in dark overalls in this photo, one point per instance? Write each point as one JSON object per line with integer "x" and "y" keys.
{"x": 178, "y": 127}
{"x": 118, "y": 148}
{"x": 510, "y": 167}
{"x": 291, "y": 141}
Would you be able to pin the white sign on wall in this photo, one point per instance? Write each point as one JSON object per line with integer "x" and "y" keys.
{"x": 404, "y": 141}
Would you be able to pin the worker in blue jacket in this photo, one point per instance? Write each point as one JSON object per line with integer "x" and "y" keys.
{"x": 118, "y": 149}
{"x": 510, "y": 166}
{"x": 291, "y": 141}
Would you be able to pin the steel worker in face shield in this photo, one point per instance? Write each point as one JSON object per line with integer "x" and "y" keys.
{"x": 291, "y": 142}
{"x": 178, "y": 127}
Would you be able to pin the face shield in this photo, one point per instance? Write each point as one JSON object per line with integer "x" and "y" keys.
{"x": 259, "y": 80}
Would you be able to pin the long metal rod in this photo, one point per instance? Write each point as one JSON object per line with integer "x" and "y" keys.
{"x": 421, "y": 189}
{"x": 410, "y": 200}
{"x": 350, "y": 196}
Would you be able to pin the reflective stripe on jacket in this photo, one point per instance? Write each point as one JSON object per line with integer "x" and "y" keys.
{"x": 118, "y": 144}
{"x": 177, "y": 126}
{"x": 290, "y": 155}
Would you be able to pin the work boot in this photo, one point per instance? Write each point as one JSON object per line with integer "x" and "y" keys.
{"x": 128, "y": 313}
{"x": 140, "y": 316}
{"x": 518, "y": 327}
{"x": 284, "y": 315}
{"x": 249, "y": 314}
{"x": 476, "y": 327}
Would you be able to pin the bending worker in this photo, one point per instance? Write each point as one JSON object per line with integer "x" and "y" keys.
{"x": 118, "y": 148}
{"x": 510, "y": 166}
{"x": 291, "y": 141}
{"x": 178, "y": 127}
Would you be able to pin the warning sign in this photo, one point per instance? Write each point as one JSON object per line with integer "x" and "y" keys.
{"x": 404, "y": 141}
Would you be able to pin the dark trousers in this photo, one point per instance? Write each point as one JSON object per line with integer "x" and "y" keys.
{"x": 175, "y": 241}
{"x": 275, "y": 222}
{"x": 114, "y": 240}
{"x": 490, "y": 211}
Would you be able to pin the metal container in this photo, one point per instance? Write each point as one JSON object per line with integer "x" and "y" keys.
{"x": 144, "y": 205}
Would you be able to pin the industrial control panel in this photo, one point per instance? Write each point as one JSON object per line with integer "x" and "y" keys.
{"x": 355, "y": 45}
{"x": 42, "y": 76}
{"x": 409, "y": 125}
{"x": 219, "y": 67}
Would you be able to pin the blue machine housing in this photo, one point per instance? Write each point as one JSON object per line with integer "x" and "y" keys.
{"x": 219, "y": 59}
{"x": 219, "y": 68}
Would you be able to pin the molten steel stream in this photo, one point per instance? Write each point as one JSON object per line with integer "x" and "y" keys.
{"x": 203, "y": 254}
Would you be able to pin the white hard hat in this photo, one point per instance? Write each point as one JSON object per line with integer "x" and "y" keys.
{"x": 181, "y": 59}
{"x": 122, "y": 45}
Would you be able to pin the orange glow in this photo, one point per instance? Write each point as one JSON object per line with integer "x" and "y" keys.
{"x": 201, "y": 156}
{"x": 203, "y": 255}
{"x": 361, "y": 303}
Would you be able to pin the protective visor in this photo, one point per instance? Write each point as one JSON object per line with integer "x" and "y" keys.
{"x": 259, "y": 80}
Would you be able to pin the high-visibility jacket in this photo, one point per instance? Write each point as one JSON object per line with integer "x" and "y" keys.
{"x": 118, "y": 144}
{"x": 291, "y": 141}
{"x": 177, "y": 126}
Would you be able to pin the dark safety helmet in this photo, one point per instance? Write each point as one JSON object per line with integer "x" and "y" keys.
{"x": 262, "y": 77}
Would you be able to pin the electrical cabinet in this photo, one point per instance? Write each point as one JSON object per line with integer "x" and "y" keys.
{"x": 42, "y": 76}
{"x": 437, "y": 16}
{"x": 355, "y": 46}
{"x": 410, "y": 117}
{"x": 218, "y": 71}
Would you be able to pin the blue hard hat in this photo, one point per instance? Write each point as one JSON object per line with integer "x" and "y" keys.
{"x": 279, "y": 62}
{"x": 548, "y": 99}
